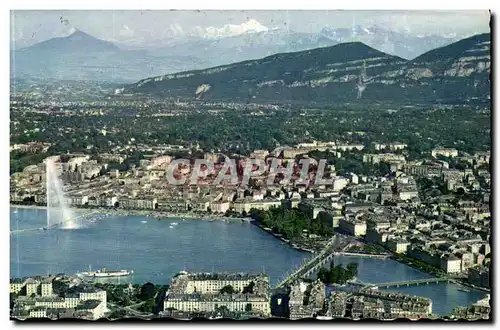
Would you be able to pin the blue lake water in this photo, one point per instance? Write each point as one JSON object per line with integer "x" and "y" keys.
{"x": 156, "y": 252}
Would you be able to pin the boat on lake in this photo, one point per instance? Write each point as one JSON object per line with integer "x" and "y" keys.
{"x": 106, "y": 273}
{"x": 324, "y": 318}
{"x": 144, "y": 221}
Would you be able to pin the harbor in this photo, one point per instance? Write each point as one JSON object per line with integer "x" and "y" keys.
{"x": 123, "y": 242}
{"x": 154, "y": 214}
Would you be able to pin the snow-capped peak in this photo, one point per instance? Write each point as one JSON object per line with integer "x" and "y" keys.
{"x": 230, "y": 30}
{"x": 73, "y": 32}
{"x": 367, "y": 31}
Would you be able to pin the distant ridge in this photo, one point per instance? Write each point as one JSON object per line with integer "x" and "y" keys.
{"x": 78, "y": 41}
{"x": 302, "y": 70}
{"x": 454, "y": 50}
{"x": 348, "y": 72}
{"x": 80, "y": 56}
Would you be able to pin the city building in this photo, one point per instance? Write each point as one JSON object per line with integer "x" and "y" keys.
{"x": 397, "y": 245}
{"x": 306, "y": 299}
{"x": 451, "y": 264}
{"x": 353, "y": 226}
{"x": 446, "y": 152}
{"x": 90, "y": 309}
{"x": 204, "y": 292}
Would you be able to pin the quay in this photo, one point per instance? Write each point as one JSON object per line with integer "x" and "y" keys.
{"x": 425, "y": 281}
{"x": 19, "y": 231}
{"x": 371, "y": 255}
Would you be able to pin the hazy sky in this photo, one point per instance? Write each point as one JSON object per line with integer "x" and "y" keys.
{"x": 144, "y": 27}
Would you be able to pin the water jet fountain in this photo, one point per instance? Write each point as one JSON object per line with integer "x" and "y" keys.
{"x": 58, "y": 212}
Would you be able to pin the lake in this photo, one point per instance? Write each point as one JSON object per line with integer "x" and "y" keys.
{"x": 156, "y": 252}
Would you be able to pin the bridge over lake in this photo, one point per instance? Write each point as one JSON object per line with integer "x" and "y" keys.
{"x": 333, "y": 247}
{"x": 424, "y": 281}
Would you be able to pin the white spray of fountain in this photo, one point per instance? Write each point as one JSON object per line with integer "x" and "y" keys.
{"x": 58, "y": 212}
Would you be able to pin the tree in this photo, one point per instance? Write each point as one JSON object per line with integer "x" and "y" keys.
{"x": 125, "y": 301}
{"x": 148, "y": 291}
{"x": 323, "y": 275}
{"x": 292, "y": 223}
{"x": 249, "y": 288}
{"x": 13, "y": 297}
{"x": 60, "y": 287}
{"x": 148, "y": 306}
{"x": 117, "y": 314}
{"x": 338, "y": 274}
{"x": 248, "y": 307}
{"x": 222, "y": 310}
{"x": 20, "y": 160}
{"x": 227, "y": 289}
{"x": 352, "y": 269}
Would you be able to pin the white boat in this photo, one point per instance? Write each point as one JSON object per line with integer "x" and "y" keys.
{"x": 218, "y": 316}
{"x": 174, "y": 224}
{"x": 170, "y": 226}
{"x": 106, "y": 273}
{"x": 320, "y": 317}
{"x": 144, "y": 221}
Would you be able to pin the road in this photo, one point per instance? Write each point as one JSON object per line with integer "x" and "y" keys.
{"x": 131, "y": 309}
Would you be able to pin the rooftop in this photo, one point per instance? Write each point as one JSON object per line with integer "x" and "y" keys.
{"x": 224, "y": 276}
{"x": 215, "y": 297}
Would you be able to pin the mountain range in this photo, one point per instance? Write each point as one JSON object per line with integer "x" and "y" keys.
{"x": 80, "y": 56}
{"x": 400, "y": 44}
{"x": 347, "y": 72}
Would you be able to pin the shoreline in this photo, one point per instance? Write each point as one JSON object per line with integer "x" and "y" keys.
{"x": 163, "y": 214}
{"x": 407, "y": 263}
{"x": 287, "y": 242}
{"x": 210, "y": 217}
{"x": 393, "y": 257}
{"x": 24, "y": 206}
{"x": 459, "y": 282}
{"x": 158, "y": 214}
